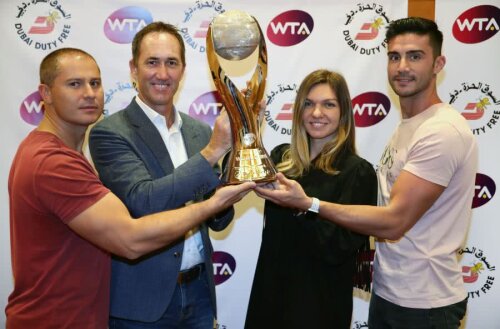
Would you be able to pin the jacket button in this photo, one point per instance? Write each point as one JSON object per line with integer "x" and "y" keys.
{"x": 177, "y": 254}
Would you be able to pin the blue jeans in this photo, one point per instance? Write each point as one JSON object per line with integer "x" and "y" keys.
{"x": 386, "y": 315}
{"x": 190, "y": 308}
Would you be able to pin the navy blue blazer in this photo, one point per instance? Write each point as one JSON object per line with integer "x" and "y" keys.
{"x": 133, "y": 162}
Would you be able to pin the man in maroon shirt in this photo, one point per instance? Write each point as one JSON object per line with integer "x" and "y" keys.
{"x": 64, "y": 222}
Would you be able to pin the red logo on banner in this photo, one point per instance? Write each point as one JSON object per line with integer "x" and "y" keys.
{"x": 369, "y": 31}
{"x": 370, "y": 108}
{"x": 290, "y": 28}
{"x": 286, "y": 112}
{"x": 43, "y": 25}
{"x": 477, "y": 24}
{"x": 473, "y": 111}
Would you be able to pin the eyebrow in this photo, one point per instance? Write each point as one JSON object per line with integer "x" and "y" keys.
{"x": 410, "y": 52}
{"x": 323, "y": 100}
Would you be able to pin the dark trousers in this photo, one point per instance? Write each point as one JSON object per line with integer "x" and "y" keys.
{"x": 190, "y": 308}
{"x": 386, "y": 315}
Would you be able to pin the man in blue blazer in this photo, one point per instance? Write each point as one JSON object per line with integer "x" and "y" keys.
{"x": 154, "y": 157}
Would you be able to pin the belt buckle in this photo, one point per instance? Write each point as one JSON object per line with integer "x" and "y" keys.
{"x": 190, "y": 274}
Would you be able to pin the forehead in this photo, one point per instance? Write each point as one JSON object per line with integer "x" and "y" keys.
{"x": 77, "y": 65}
{"x": 409, "y": 42}
{"x": 321, "y": 91}
{"x": 159, "y": 44}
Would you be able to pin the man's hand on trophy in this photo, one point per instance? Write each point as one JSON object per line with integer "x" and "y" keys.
{"x": 221, "y": 140}
{"x": 226, "y": 196}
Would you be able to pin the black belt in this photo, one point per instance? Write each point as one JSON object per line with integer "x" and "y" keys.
{"x": 191, "y": 274}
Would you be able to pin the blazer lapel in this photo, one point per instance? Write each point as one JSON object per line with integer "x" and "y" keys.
{"x": 191, "y": 136}
{"x": 146, "y": 130}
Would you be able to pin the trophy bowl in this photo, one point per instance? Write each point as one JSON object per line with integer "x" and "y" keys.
{"x": 236, "y": 35}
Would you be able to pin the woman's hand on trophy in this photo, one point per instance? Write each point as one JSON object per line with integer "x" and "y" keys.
{"x": 284, "y": 192}
{"x": 221, "y": 140}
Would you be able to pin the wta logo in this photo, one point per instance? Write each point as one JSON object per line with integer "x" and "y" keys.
{"x": 477, "y": 24}
{"x": 31, "y": 109}
{"x": 484, "y": 190}
{"x": 122, "y": 25}
{"x": 206, "y": 107}
{"x": 290, "y": 28}
{"x": 224, "y": 266}
{"x": 370, "y": 108}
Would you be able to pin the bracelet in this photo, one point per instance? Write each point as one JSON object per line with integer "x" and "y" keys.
{"x": 315, "y": 206}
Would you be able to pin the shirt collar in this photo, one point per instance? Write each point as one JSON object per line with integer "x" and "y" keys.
{"x": 157, "y": 118}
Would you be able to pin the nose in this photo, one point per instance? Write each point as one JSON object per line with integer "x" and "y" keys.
{"x": 90, "y": 91}
{"x": 403, "y": 65}
{"x": 317, "y": 110}
{"x": 162, "y": 72}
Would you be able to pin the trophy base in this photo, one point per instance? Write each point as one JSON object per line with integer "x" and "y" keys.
{"x": 251, "y": 165}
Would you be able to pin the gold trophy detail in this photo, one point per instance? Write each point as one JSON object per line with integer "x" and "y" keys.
{"x": 234, "y": 35}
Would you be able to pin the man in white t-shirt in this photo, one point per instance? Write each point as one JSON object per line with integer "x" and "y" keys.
{"x": 426, "y": 182}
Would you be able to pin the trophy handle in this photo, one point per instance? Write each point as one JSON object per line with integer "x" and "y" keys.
{"x": 257, "y": 84}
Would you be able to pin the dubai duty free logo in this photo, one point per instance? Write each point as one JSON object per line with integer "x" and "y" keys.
{"x": 477, "y": 102}
{"x": 279, "y": 116}
{"x": 363, "y": 29}
{"x": 478, "y": 272}
{"x": 194, "y": 26}
{"x": 43, "y": 25}
{"x": 118, "y": 97}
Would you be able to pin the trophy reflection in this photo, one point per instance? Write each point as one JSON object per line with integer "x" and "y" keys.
{"x": 234, "y": 36}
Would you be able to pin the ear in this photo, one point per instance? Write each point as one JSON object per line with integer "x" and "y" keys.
{"x": 45, "y": 92}
{"x": 439, "y": 63}
{"x": 133, "y": 70}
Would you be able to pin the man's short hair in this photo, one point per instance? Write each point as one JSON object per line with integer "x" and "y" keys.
{"x": 420, "y": 26}
{"x": 158, "y": 27}
{"x": 49, "y": 67}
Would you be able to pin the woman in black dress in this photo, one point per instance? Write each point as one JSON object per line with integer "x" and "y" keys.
{"x": 306, "y": 267}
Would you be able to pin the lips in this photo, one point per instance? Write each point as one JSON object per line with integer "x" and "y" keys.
{"x": 160, "y": 85}
{"x": 403, "y": 79}
{"x": 318, "y": 124}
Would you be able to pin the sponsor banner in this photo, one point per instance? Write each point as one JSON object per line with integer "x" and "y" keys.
{"x": 339, "y": 35}
{"x": 471, "y": 84}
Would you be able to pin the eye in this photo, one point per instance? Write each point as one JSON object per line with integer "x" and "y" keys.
{"x": 307, "y": 104}
{"x": 152, "y": 62}
{"x": 95, "y": 83}
{"x": 74, "y": 84}
{"x": 172, "y": 63}
{"x": 415, "y": 57}
{"x": 393, "y": 57}
{"x": 329, "y": 105}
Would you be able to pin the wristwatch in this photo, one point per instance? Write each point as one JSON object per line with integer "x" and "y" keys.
{"x": 315, "y": 206}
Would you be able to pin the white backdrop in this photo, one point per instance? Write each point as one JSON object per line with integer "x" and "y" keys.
{"x": 301, "y": 36}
